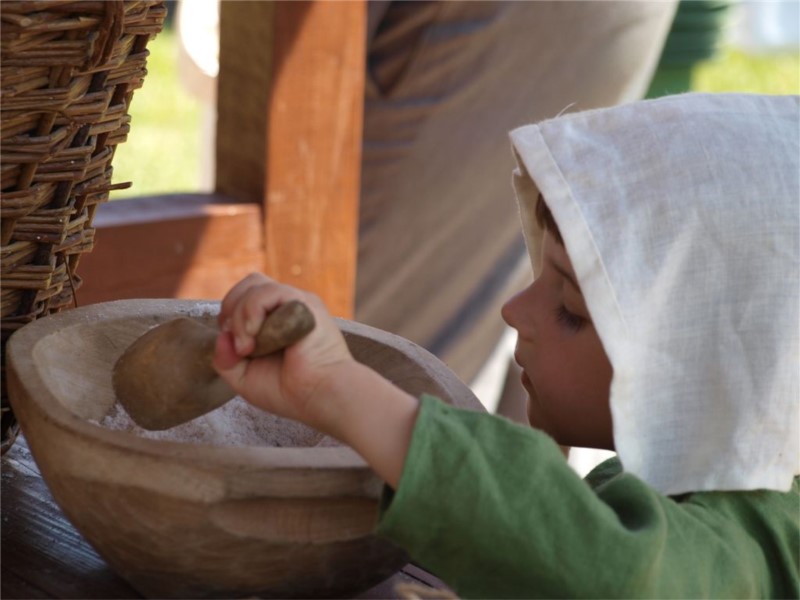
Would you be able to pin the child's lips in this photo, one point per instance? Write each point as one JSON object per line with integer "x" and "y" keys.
{"x": 526, "y": 382}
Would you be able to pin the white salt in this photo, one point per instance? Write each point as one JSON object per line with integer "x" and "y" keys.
{"x": 204, "y": 309}
{"x": 236, "y": 423}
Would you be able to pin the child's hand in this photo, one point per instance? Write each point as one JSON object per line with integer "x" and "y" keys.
{"x": 316, "y": 380}
{"x": 286, "y": 383}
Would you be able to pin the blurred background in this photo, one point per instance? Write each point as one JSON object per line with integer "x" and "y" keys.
{"x": 714, "y": 46}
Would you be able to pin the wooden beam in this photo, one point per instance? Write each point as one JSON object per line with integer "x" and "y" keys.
{"x": 313, "y": 117}
{"x": 243, "y": 87}
{"x": 178, "y": 246}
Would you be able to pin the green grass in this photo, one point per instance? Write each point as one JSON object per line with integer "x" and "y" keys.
{"x": 736, "y": 71}
{"x": 162, "y": 152}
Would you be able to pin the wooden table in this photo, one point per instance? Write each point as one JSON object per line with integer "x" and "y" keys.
{"x": 43, "y": 556}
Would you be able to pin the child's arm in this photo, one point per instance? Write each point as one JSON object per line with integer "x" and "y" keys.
{"x": 316, "y": 381}
{"x": 494, "y": 510}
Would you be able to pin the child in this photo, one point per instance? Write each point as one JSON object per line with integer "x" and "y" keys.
{"x": 663, "y": 324}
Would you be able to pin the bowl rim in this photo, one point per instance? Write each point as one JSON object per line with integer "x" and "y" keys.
{"x": 22, "y": 367}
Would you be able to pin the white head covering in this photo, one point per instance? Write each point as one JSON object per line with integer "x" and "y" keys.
{"x": 680, "y": 216}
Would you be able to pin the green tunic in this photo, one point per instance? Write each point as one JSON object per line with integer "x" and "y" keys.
{"x": 493, "y": 509}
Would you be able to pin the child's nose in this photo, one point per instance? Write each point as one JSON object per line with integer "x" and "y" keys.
{"x": 512, "y": 308}
{"x": 520, "y": 312}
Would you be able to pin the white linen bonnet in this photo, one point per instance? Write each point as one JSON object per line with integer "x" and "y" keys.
{"x": 681, "y": 217}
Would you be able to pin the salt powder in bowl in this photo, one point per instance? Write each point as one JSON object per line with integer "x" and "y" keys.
{"x": 236, "y": 423}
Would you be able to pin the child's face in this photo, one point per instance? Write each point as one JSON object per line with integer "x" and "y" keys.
{"x": 565, "y": 369}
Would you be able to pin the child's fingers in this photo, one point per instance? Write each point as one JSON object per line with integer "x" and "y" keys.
{"x": 225, "y": 356}
{"x": 250, "y": 303}
{"x": 234, "y": 317}
{"x": 227, "y": 362}
{"x": 257, "y": 381}
{"x": 256, "y": 303}
{"x": 254, "y": 307}
{"x": 235, "y": 294}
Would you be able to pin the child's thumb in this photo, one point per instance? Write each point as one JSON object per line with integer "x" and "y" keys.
{"x": 228, "y": 364}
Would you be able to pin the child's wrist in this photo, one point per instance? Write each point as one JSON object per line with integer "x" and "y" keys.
{"x": 366, "y": 411}
{"x": 336, "y": 399}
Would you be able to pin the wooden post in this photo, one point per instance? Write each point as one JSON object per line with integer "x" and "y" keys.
{"x": 243, "y": 86}
{"x": 305, "y": 171}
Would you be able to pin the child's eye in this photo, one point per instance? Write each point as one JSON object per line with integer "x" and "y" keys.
{"x": 569, "y": 320}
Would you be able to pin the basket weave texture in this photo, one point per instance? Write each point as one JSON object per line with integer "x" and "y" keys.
{"x": 68, "y": 72}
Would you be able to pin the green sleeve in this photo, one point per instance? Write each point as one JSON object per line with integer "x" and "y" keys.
{"x": 493, "y": 509}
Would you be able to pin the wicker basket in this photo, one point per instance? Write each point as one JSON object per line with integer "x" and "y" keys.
{"x": 68, "y": 72}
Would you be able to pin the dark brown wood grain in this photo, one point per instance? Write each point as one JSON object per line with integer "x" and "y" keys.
{"x": 43, "y": 556}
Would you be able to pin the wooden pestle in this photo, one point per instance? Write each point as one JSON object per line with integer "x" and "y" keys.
{"x": 166, "y": 378}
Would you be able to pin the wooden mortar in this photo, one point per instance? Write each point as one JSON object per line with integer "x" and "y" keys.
{"x": 191, "y": 520}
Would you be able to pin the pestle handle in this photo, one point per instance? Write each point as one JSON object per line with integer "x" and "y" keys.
{"x": 284, "y": 326}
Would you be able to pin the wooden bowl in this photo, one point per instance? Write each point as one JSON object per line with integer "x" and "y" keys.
{"x": 192, "y": 520}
